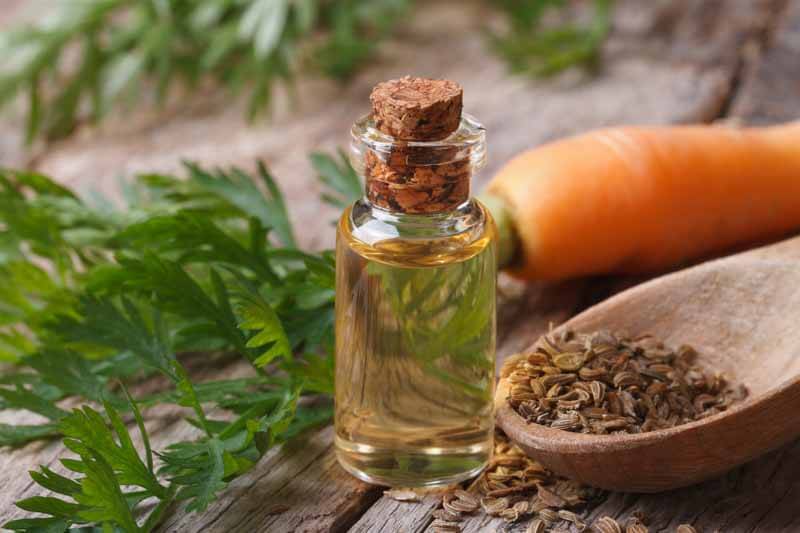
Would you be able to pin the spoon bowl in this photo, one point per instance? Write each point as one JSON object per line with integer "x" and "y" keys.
{"x": 742, "y": 314}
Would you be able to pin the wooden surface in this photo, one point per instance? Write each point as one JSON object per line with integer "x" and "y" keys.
{"x": 740, "y": 313}
{"x": 668, "y": 61}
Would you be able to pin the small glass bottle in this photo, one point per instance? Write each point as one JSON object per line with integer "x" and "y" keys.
{"x": 415, "y": 299}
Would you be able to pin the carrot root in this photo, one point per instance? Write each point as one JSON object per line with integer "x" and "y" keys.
{"x": 639, "y": 199}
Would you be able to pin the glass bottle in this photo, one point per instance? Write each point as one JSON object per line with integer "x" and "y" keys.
{"x": 415, "y": 312}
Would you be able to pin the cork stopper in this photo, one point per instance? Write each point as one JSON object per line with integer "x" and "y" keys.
{"x": 417, "y": 174}
{"x": 417, "y": 109}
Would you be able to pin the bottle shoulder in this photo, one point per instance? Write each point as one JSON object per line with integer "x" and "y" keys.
{"x": 417, "y": 240}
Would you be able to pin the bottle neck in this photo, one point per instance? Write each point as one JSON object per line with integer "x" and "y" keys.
{"x": 372, "y": 224}
{"x": 415, "y": 177}
{"x": 403, "y": 188}
{"x": 397, "y": 213}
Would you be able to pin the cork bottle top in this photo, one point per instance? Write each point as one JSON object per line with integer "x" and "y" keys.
{"x": 417, "y": 109}
{"x": 405, "y": 149}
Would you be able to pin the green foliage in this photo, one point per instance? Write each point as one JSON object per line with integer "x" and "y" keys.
{"x": 86, "y": 433}
{"x": 99, "y": 296}
{"x": 107, "y": 461}
{"x": 340, "y": 179}
{"x": 356, "y": 29}
{"x": 200, "y": 469}
{"x": 127, "y": 47}
{"x": 241, "y": 192}
{"x": 205, "y": 478}
{"x": 123, "y": 328}
{"x": 258, "y": 315}
{"x": 95, "y": 55}
{"x": 16, "y": 435}
{"x": 532, "y": 47}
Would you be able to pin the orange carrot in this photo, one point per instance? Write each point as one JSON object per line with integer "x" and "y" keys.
{"x": 637, "y": 199}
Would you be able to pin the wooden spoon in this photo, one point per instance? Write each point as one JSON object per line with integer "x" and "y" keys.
{"x": 742, "y": 313}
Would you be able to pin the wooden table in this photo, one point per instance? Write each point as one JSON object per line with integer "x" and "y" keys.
{"x": 668, "y": 61}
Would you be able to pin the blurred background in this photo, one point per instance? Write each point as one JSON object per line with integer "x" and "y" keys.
{"x": 96, "y": 89}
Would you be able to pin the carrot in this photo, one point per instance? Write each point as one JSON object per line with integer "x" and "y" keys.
{"x": 638, "y": 199}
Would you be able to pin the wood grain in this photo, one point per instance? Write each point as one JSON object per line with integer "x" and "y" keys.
{"x": 304, "y": 477}
{"x": 771, "y": 80}
{"x": 668, "y": 62}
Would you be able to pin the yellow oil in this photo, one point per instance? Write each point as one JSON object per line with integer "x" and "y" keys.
{"x": 415, "y": 355}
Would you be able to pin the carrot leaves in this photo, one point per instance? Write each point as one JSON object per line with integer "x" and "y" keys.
{"x": 189, "y": 272}
{"x": 530, "y": 46}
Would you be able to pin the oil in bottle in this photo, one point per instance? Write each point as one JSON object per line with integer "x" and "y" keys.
{"x": 415, "y": 299}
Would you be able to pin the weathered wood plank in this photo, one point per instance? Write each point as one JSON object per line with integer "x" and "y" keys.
{"x": 304, "y": 477}
{"x": 747, "y": 499}
{"x": 378, "y": 519}
{"x": 667, "y": 62}
{"x": 770, "y": 85}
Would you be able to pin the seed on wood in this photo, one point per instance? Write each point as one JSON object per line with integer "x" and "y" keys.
{"x": 569, "y": 516}
{"x": 549, "y": 515}
{"x": 507, "y": 460}
{"x": 447, "y": 516}
{"x": 506, "y": 491}
{"x": 510, "y": 515}
{"x": 511, "y": 488}
{"x": 536, "y": 526}
{"x": 454, "y": 502}
{"x": 521, "y": 507}
{"x": 493, "y": 506}
{"x": 462, "y": 507}
{"x": 607, "y": 524}
{"x": 467, "y": 497}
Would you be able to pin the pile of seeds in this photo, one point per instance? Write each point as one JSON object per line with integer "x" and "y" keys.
{"x": 599, "y": 383}
{"x": 607, "y": 383}
{"x": 514, "y": 487}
